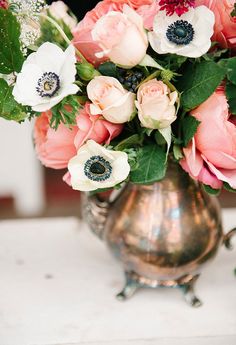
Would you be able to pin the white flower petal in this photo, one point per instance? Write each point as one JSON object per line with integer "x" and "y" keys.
{"x": 202, "y": 21}
{"x": 47, "y": 60}
{"x": 83, "y": 182}
{"x": 49, "y": 57}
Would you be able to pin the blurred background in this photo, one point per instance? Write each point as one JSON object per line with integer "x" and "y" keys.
{"x": 27, "y": 189}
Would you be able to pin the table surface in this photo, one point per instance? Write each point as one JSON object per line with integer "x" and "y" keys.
{"x": 58, "y": 284}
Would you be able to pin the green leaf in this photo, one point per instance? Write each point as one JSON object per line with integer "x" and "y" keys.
{"x": 129, "y": 142}
{"x": 229, "y": 188}
{"x": 189, "y": 127}
{"x": 108, "y": 69}
{"x": 61, "y": 113}
{"x": 199, "y": 81}
{"x": 231, "y": 96}
{"x": 231, "y": 70}
{"x": 11, "y": 57}
{"x": 211, "y": 190}
{"x": 49, "y": 33}
{"x": 151, "y": 165}
{"x": 177, "y": 151}
{"x": 9, "y": 108}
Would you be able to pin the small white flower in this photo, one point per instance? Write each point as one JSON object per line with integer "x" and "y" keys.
{"x": 95, "y": 167}
{"x": 47, "y": 77}
{"x": 59, "y": 10}
{"x": 188, "y": 35}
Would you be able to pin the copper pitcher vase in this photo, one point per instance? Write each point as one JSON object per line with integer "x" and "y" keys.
{"x": 163, "y": 233}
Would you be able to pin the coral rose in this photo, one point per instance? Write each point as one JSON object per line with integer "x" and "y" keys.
{"x": 156, "y": 105}
{"x": 211, "y": 156}
{"x": 94, "y": 128}
{"x": 110, "y": 99}
{"x": 56, "y": 148}
{"x": 225, "y": 24}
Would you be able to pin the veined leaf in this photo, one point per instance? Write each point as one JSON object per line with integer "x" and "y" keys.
{"x": 11, "y": 57}
{"x": 198, "y": 83}
{"x": 189, "y": 126}
{"x": 9, "y": 108}
{"x": 231, "y": 96}
{"x": 151, "y": 165}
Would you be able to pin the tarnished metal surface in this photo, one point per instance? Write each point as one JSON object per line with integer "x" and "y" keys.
{"x": 162, "y": 233}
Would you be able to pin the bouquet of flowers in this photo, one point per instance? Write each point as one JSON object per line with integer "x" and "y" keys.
{"x": 134, "y": 84}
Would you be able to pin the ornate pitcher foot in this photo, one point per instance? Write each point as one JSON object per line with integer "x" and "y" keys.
{"x": 189, "y": 295}
{"x": 130, "y": 288}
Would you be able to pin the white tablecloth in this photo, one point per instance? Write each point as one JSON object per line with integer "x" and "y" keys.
{"x": 58, "y": 282}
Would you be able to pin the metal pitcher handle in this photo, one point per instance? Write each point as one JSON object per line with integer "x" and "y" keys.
{"x": 228, "y": 237}
{"x": 95, "y": 210}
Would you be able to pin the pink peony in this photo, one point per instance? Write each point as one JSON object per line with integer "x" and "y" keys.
{"x": 83, "y": 40}
{"x": 225, "y": 24}
{"x": 211, "y": 156}
{"x": 56, "y": 148}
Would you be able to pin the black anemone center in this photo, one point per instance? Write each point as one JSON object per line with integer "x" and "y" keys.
{"x": 48, "y": 84}
{"x": 98, "y": 169}
{"x": 180, "y": 32}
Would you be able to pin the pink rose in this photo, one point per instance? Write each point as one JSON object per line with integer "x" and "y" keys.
{"x": 110, "y": 99}
{"x": 211, "y": 156}
{"x": 148, "y": 13}
{"x": 56, "y": 148}
{"x": 95, "y": 128}
{"x": 82, "y": 33}
{"x": 122, "y": 37}
{"x": 135, "y": 4}
{"x": 156, "y": 104}
{"x": 225, "y": 25}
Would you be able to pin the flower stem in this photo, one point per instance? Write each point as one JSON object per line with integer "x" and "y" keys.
{"x": 67, "y": 40}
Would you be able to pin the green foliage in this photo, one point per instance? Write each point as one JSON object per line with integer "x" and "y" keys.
{"x": 229, "y": 188}
{"x": 9, "y": 108}
{"x": 198, "y": 83}
{"x": 231, "y": 96}
{"x": 65, "y": 112}
{"x": 211, "y": 190}
{"x": 130, "y": 142}
{"x": 189, "y": 127}
{"x": 11, "y": 57}
{"x": 231, "y": 70}
{"x": 108, "y": 69}
{"x": 233, "y": 13}
{"x": 151, "y": 165}
{"x": 49, "y": 32}
{"x": 178, "y": 154}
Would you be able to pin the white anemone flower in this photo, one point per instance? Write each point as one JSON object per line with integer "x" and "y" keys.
{"x": 188, "y": 35}
{"x": 47, "y": 77}
{"x": 96, "y": 167}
